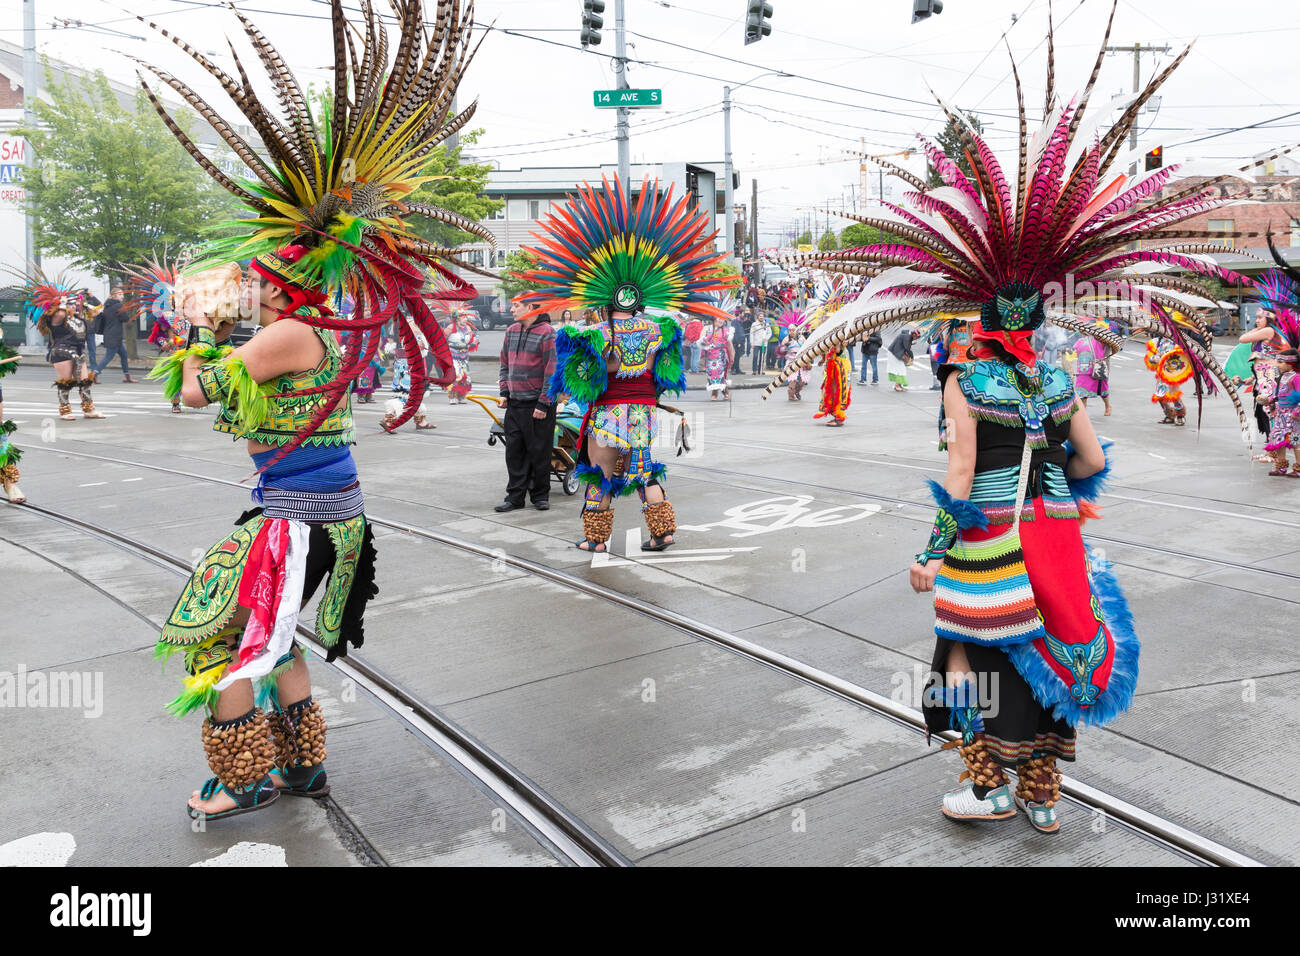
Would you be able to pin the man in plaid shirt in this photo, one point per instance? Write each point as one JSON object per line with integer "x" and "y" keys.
{"x": 527, "y": 363}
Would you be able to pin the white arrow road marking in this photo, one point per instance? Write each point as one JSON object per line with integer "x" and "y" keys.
{"x": 39, "y": 849}
{"x": 632, "y": 544}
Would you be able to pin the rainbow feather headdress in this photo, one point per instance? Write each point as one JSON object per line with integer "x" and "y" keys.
{"x": 149, "y": 288}
{"x": 600, "y": 251}
{"x": 43, "y": 293}
{"x": 328, "y": 209}
{"x": 998, "y": 251}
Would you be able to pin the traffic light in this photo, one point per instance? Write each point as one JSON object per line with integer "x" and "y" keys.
{"x": 1155, "y": 158}
{"x": 757, "y": 15}
{"x": 921, "y": 9}
{"x": 592, "y": 21}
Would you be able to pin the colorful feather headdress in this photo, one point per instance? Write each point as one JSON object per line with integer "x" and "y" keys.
{"x": 1279, "y": 292}
{"x": 43, "y": 293}
{"x": 149, "y": 288}
{"x": 601, "y": 251}
{"x": 328, "y": 212}
{"x": 1057, "y": 238}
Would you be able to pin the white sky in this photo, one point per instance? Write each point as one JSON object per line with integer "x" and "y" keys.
{"x": 535, "y": 97}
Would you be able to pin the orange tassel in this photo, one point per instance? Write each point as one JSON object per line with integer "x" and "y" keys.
{"x": 1088, "y": 512}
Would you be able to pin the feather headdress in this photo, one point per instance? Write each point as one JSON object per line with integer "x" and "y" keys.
{"x": 602, "y": 250}
{"x": 1279, "y": 292}
{"x": 43, "y": 293}
{"x": 149, "y": 289}
{"x": 1056, "y": 236}
{"x": 328, "y": 211}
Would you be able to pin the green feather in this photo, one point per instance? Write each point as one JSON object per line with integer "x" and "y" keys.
{"x": 171, "y": 368}
{"x": 246, "y": 400}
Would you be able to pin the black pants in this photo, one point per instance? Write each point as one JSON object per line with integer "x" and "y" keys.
{"x": 528, "y": 452}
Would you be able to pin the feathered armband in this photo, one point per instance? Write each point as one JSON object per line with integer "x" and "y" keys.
{"x": 954, "y": 514}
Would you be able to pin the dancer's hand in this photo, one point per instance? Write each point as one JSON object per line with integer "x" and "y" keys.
{"x": 921, "y": 576}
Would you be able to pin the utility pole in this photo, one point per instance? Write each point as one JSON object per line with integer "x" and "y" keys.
{"x": 753, "y": 207}
{"x": 29, "y": 121}
{"x": 730, "y": 218}
{"x": 624, "y": 114}
{"x": 1137, "y": 49}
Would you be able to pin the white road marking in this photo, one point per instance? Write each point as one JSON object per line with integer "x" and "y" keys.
{"x": 632, "y": 545}
{"x": 248, "y": 854}
{"x": 132, "y": 479}
{"x": 1154, "y": 455}
{"x": 39, "y": 849}
{"x": 92, "y": 484}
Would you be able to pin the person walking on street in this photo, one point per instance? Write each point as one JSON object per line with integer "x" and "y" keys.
{"x": 527, "y": 364}
{"x": 870, "y": 351}
{"x": 740, "y": 341}
{"x": 759, "y": 333}
{"x": 900, "y": 351}
{"x": 111, "y": 320}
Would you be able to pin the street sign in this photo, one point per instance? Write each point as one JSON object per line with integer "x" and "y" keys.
{"x": 631, "y": 99}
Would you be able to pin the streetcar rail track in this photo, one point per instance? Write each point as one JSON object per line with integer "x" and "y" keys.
{"x": 568, "y": 836}
{"x": 1158, "y": 830}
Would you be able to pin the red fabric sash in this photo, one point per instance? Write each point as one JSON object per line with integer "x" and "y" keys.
{"x": 629, "y": 391}
{"x": 261, "y": 586}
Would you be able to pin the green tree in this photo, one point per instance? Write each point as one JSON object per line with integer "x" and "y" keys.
{"x": 458, "y": 187}
{"x": 860, "y": 234}
{"x": 512, "y": 279}
{"x": 805, "y": 239}
{"x": 828, "y": 242}
{"x": 949, "y": 141}
{"x": 113, "y": 184}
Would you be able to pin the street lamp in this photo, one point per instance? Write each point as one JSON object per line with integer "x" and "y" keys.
{"x": 726, "y": 127}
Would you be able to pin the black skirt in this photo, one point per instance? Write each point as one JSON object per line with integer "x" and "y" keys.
{"x": 1016, "y": 725}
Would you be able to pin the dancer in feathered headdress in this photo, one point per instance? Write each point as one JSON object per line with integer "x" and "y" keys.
{"x": 1015, "y": 594}
{"x": 1274, "y": 366}
{"x": 62, "y": 313}
{"x": 327, "y": 217}
{"x": 462, "y": 339}
{"x": 623, "y": 256}
{"x": 148, "y": 290}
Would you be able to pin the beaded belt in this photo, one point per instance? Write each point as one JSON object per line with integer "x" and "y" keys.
{"x": 313, "y": 506}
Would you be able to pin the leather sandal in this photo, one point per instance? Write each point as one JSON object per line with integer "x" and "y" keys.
{"x": 256, "y": 796}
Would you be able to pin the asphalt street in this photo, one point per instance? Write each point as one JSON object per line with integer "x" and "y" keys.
{"x": 793, "y": 535}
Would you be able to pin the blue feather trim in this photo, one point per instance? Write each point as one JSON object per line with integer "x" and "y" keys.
{"x": 592, "y": 475}
{"x": 967, "y": 513}
{"x": 1052, "y": 692}
{"x": 669, "y": 369}
{"x": 1090, "y": 488}
{"x": 579, "y": 365}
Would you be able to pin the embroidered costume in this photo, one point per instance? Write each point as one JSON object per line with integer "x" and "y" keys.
{"x": 837, "y": 390}
{"x": 624, "y": 254}
{"x": 1043, "y": 624}
{"x": 717, "y": 361}
{"x": 324, "y": 218}
{"x": 462, "y": 339}
{"x": 1172, "y": 369}
{"x": 1092, "y": 371}
{"x": 43, "y": 298}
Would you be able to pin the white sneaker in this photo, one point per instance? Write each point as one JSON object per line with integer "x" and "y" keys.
{"x": 964, "y": 805}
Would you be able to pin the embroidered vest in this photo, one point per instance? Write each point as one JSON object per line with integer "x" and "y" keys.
{"x": 289, "y": 414}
